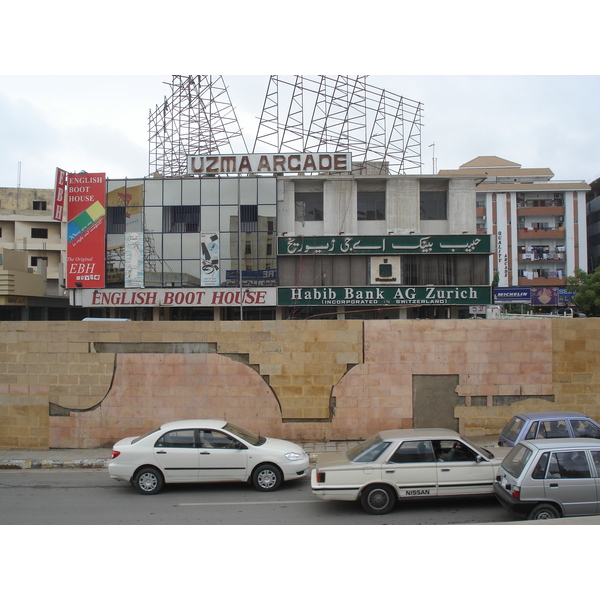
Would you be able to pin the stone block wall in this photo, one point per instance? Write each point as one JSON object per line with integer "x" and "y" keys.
{"x": 88, "y": 384}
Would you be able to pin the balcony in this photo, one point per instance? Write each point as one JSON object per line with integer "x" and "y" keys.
{"x": 542, "y": 282}
{"x": 541, "y": 234}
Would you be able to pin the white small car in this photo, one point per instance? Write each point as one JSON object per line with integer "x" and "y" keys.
{"x": 404, "y": 464}
{"x": 205, "y": 451}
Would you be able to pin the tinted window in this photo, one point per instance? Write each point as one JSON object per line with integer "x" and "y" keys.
{"x": 584, "y": 428}
{"x": 368, "y": 451}
{"x": 410, "y": 452}
{"x": 516, "y": 459}
{"x": 531, "y": 431}
{"x": 452, "y": 450}
{"x": 180, "y": 438}
{"x": 513, "y": 428}
{"x": 568, "y": 465}
{"x": 540, "y": 469}
{"x": 554, "y": 429}
{"x": 216, "y": 439}
{"x": 596, "y": 459}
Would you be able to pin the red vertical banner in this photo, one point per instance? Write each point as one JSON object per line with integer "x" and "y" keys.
{"x": 60, "y": 188}
{"x": 86, "y": 239}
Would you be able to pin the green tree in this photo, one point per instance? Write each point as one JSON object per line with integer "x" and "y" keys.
{"x": 587, "y": 286}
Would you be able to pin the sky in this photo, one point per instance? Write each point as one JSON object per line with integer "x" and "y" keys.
{"x": 523, "y": 89}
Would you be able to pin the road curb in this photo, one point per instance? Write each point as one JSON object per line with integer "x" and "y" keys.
{"x": 17, "y": 464}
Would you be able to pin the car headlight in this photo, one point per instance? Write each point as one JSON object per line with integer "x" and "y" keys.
{"x": 294, "y": 456}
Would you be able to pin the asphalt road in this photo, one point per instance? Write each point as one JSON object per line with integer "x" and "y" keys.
{"x": 90, "y": 497}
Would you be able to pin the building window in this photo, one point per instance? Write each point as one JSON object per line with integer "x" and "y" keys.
{"x": 39, "y": 233}
{"x": 309, "y": 206}
{"x": 35, "y": 260}
{"x": 39, "y": 205}
{"x": 434, "y": 206}
{"x": 371, "y": 206}
{"x": 249, "y": 217}
{"x": 181, "y": 219}
{"x": 116, "y": 217}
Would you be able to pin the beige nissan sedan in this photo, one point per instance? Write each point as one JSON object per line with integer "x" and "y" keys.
{"x": 406, "y": 463}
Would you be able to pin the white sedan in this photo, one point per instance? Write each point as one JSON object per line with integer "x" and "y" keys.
{"x": 403, "y": 464}
{"x": 205, "y": 451}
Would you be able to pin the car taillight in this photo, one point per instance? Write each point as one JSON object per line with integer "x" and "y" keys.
{"x": 115, "y": 453}
{"x": 516, "y": 492}
{"x": 320, "y": 477}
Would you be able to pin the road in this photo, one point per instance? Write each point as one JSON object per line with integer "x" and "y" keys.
{"x": 90, "y": 497}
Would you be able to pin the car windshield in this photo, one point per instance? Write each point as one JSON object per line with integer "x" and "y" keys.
{"x": 512, "y": 430}
{"x": 247, "y": 436}
{"x": 367, "y": 451}
{"x": 483, "y": 451}
{"x": 516, "y": 459}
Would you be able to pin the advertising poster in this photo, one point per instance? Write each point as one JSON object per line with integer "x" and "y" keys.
{"x": 210, "y": 260}
{"x": 60, "y": 189}
{"x": 86, "y": 215}
{"x": 134, "y": 260}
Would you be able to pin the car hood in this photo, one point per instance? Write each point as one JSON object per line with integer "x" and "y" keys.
{"x": 499, "y": 452}
{"x": 281, "y": 446}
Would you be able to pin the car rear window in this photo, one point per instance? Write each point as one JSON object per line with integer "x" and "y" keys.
{"x": 513, "y": 428}
{"x": 516, "y": 460}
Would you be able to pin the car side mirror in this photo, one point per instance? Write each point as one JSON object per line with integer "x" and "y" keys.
{"x": 479, "y": 458}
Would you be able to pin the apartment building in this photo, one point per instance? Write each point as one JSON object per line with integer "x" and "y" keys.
{"x": 539, "y": 226}
{"x": 32, "y": 256}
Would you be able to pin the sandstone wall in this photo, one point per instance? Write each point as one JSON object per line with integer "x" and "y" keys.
{"x": 88, "y": 384}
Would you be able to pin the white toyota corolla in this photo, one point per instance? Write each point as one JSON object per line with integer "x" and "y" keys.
{"x": 205, "y": 451}
{"x": 403, "y": 464}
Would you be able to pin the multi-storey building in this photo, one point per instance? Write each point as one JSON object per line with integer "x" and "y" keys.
{"x": 593, "y": 225}
{"x": 277, "y": 246}
{"x": 539, "y": 226}
{"x": 32, "y": 256}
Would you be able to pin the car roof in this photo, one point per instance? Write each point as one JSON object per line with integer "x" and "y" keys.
{"x": 564, "y": 443}
{"x": 194, "y": 423}
{"x": 559, "y": 414}
{"x": 424, "y": 432}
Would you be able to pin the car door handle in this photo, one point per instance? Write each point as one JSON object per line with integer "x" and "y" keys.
{"x": 205, "y": 452}
{"x": 161, "y": 452}
{"x": 390, "y": 470}
{"x": 443, "y": 470}
{"x": 554, "y": 485}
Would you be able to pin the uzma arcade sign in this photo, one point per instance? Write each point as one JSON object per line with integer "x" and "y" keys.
{"x": 384, "y": 296}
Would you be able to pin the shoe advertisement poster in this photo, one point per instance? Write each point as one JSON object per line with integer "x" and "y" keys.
{"x": 209, "y": 275}
{"x": 86, "y": 216}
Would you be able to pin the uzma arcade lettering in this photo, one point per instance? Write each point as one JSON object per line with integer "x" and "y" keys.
{"x": 269, "y": 163}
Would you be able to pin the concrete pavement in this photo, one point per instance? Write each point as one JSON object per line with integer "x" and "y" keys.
{"x": 97, "y": 458}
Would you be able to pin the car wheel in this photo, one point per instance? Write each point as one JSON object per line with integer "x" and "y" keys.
{"x": 267, "y": 478}
{"x": 544, "y": 511}
{"x": 148, "y": 480}
{"x": 378, "y": 499}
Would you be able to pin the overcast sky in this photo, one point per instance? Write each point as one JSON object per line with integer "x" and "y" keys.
{"x": 99, "y": 123}
{"x": 525, "y": 89}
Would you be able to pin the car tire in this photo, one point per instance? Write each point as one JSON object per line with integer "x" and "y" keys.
{"x": 378, "y": 499}
{"x": 267, "y": 478}
{"x": 544, "y": 511}
{"x": 148, "y": 481}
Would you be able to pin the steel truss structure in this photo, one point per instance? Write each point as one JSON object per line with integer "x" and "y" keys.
{"x": 381, "y": 129}
{"x": 197, "y": 118}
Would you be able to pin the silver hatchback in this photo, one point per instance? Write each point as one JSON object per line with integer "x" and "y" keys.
{"x": 546, "y": 479}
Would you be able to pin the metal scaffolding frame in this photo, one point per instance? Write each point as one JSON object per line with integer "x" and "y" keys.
{"x": 381, "y": 129}
{"x": 197, "y": 118}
